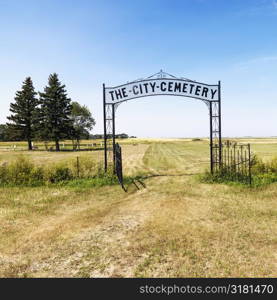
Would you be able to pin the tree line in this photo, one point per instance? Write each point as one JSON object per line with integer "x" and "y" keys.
{"x": 47, "y": 116}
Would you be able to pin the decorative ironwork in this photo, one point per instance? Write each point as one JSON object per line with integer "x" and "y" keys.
{"x": 160, "y": 74}
{"x": 215, "y": 134}
{"x": 109, "y": 132}
{"x": 214, "y": 107}
{"x": 236, "y": 161}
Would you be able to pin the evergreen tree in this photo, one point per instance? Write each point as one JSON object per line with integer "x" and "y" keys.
{"x": 24, "y": 113}
{"x": 55, "y": 112}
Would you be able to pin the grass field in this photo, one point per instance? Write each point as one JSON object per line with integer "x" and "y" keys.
{"x": 175, "y": 227}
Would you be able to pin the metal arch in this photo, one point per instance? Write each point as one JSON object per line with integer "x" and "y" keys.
{"x": 207, "y": 103}
{"x": 166, "y": 78}
{"x": 162, "y": 74}
{"x": 116, "y": 105}
{"x": 214, "y": 108}
{"x": 154, "y": 95}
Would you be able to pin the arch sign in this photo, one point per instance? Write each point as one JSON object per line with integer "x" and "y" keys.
{"x": 161, "y": 84}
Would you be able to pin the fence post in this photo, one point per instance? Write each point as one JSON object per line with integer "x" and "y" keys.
{"x": 249, "y": 165}
{"x": 78, "y": 167}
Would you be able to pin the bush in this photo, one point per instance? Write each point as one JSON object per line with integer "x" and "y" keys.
{"x": 258, "y": 166}
{"x": 86, "y": 168}
{"x": 3, "y": 173}
{"x": 37, "y": 174}
{"x": 273, "y": 165}
{"x": 262, "y": 173}
{"x": 262, "y": 179}
{"x": 23, "y": 172}
{"x": 58, "y": 173}
{"x": 261, "y": 167}
{"x": 224, "y": 176}
{"x": 20, "y": 170}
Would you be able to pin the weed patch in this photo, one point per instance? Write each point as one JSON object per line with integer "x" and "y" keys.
{"x": 23, "y": 172}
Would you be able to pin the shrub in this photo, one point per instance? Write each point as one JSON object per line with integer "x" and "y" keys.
{"x": 58, "y": 173}
{"x": 261, "y": 167}
{"x": 23, "y": 172}
{"x": 37, "y": 175}
{"x": 87, "y": 167}
{"x": 273, "y": 165}
{"x": 262, "y": 179}
{"x": 20, "y": 170}
{"x": 257, "y": 165}
{"x": 4, "y": 173}
{"x": 262, "y": 173}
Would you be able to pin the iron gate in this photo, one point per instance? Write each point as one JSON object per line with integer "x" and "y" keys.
{"x": 118, "y": 165}
{"x": 233, "y": 160}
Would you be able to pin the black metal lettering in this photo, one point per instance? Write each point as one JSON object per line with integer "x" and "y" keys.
{"x": 152, "y": 86}
{"x": 118, "y": 94}
{"x": 205, "y": 92}
{"x": 191, "y": 88}
{"x": 111, "y": 92}
{"x": 197, "y": 90}
{"x": 163, "y": 88}
{"x": 185, "y": 87}
{"x": 146, "y": 89}
{"x": 170, "y": 84}
{"x": 124, "y": 92}
{"x": 135, "y": 91}
{"x": 177, "y": 87}
{"x": 213, "y": 93}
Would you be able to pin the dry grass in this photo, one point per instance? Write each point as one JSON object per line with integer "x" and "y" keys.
{"x": 45, "y": 157}
{"x": 175, "y": 227}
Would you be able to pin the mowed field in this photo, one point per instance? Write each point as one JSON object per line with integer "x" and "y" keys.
{"x": 174, "y": 227}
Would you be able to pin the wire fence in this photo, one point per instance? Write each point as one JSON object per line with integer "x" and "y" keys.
{"x": 64, "y": 146}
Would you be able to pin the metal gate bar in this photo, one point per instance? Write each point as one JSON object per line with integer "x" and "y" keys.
{"x": 118, "y": 165}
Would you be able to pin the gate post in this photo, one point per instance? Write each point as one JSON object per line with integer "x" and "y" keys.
{"x": 211, "y": 137}
{"x": 219, "y": 125}
{"x": 249, "y": 164}
{"x": 105, "y": 130}
{"x": 113, "y": 133}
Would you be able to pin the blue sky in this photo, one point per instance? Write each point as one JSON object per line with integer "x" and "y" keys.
{"x": 93, "y": 42}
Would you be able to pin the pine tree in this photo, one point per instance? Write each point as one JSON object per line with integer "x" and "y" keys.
{"x": 24, "y": 113}
{"x": 55, "y": 111}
